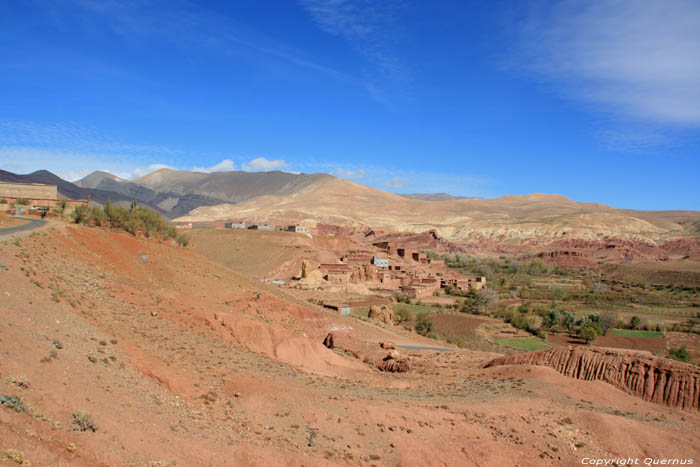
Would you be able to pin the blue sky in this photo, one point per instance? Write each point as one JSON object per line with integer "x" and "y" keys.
{"x": 598, "y": 101}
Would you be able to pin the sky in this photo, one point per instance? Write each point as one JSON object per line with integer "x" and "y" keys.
{"x": 597, "y": 101}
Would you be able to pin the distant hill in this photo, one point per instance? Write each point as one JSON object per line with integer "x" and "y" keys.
{"x": 508, "y": 220}
{"x": 170, "y": 203}
{"x": 176, "y": 192}
{"x": 68, "y": 190}
{"x": 432, "y": 196}
{"x": 231, "y": 187}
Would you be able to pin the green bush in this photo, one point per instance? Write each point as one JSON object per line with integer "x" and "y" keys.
{"x": 22, "y": 202}
{"x": 83, "y": 422}
{"x": 680, "y": 354}
{"x": 135, "y": 220}
{"x": 537, "y": 268}
{"x": 403, "y": 315}
{"x": 589, "y": 331}
{"x": 182, "y": 239}
{"x": 3, "y": 201}
{"x": 81, "y": 214}
{"x": 116, "y": 215}
{"x": 635, "y": 322}
{"x": 424, "y": 324}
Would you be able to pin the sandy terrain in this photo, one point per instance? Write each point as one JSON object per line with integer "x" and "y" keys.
{"x": 179, "y": 360}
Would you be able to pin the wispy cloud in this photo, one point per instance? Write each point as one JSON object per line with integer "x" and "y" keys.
{"x": 190, "y": 26}
{"x": 352, "y": 174}
{"x": 225, "y": 165}
{"x": 636, "y": 60}
{"x": 398, "y": 183}
{"x": 370, "y": 26}
{"x": 260, "y": 164}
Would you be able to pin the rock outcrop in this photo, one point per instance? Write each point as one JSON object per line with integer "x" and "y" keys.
{"x": 394, "y": 363}
{"x": 370, "y": 353}
{"x": 383, "y": 313}
{"x": 309, "y": 275}
{"x": 651, "y": 378}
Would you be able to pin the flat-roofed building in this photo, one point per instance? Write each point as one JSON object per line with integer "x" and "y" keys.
{"x": 36, "y": 194}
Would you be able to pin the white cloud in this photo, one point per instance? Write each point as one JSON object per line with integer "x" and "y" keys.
{"x": 355, "y": 174}
{"x": 260, "y": 164}
{"x": 397, "y": 183}
{"x": 225, "y": 165}
{"x": 637, "y": 59}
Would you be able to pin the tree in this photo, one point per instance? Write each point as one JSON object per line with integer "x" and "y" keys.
{"x": 607, "y": 321}
{"x": 569, "y": 320}
{"x": 588, "y": 332}
{"x": 557, "y": 292}
{"x": 635, "y": 322}
{"x": 486, "y": 297}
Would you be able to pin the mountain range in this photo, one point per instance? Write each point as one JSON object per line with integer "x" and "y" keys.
{"x": 280, "y": 197}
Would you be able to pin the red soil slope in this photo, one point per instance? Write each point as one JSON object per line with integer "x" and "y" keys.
{"x": 179, "y": 360}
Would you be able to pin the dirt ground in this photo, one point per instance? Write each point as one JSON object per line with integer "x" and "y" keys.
{"x": 178, "y": 360}
{"x": 7, "y": 221}
{"x": 655, "y": 345}
{"x": 690, "y": 341}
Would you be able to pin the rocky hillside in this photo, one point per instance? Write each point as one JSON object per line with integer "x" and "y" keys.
{"x": 500, "y": 223}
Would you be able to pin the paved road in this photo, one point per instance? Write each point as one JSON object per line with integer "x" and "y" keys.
{"x": 31, "y": 224}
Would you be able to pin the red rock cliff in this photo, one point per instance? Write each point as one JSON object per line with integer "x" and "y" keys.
{"x": 653, "y": 379}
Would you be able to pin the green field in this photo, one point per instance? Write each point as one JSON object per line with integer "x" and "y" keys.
{"x": 635, "y": 333}
{"x": 524, "y": 343}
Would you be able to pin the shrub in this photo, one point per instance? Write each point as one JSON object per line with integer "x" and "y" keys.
{"x": 3, "y": 201}
{"x": 403, "y": 315}
{"x": 537, "y": 268}
{"x": 22, "y": 202}
{"x": 680, "y": 354}
{"x": 533, "y": 322}
{"x": 182, "y": 239}
{"x": 424, "y": 324}
{"x": 558, "y": 292}
{"x": 80, "y": 214}
{"x": 401, "y": 297}
{"x": 97, "y": 216}
{"x": 83, "y": 422}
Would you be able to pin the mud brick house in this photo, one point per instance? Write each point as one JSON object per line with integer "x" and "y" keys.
{"x": 477, "y": 282}
{"x": 261, "y": 227}
{"x": 235, "y": 225}
{"x": 297, "y": 228}
{"x": 336, "y": 273}
{"x": 389, "y": 247}
{"x": 342, "y": 308}
{"x": 36, "y": 194}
